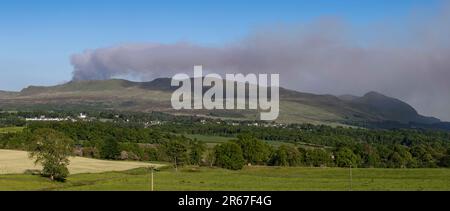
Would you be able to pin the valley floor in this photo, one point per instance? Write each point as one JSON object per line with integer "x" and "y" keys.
{"x": 250, "y": 178}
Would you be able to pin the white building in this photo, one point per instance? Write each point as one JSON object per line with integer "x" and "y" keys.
{"x": 43, "y": 118}
{"x": 82, "y": 116}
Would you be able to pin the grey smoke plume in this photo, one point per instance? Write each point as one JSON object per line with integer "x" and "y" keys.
{"x": 410, "y": 61}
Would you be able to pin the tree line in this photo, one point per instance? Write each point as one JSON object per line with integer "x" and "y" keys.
{"x": 305, "y": 145}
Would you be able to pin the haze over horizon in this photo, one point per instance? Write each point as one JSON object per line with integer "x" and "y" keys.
{"x": 400, "y": 49}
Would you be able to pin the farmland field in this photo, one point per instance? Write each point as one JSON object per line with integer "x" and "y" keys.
{"x": 16, "y": 162}
{"x": 209, "y": 139}
{"x": 250, "y": 178}
{"x": 214, "y": 140}
{"x": 11, "y": 129}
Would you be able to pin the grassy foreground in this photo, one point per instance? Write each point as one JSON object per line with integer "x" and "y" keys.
{"x": 250, "y": 178}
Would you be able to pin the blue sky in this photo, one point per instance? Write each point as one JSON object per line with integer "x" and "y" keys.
{"x": 37, "y": 38}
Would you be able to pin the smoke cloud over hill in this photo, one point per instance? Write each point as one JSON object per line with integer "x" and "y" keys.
{"x": 409, "y": 60}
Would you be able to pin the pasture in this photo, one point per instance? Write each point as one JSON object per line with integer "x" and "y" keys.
{"x": 211, "y": 140}
{"x": 250, "y": 178}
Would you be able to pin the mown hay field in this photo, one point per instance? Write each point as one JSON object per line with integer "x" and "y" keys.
{"x": 17, "y": 162}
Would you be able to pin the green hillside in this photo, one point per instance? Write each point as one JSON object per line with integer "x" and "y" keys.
{"x": 295, "y": 107}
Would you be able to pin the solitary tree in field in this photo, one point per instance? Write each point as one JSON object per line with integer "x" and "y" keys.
{"x": 51, "y": 149}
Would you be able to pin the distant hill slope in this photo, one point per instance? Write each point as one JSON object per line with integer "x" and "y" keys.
{"x": 295, "y": 107}
{"x": 389, "y": 108}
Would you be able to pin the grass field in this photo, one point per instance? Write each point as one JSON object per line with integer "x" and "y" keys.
{"x": 214, "y": 140}
{"x": 209, "y": 139}
{"x": 17, "y": 162}
{"x": 92, "y": 174}
{"x": 11, "y": 129}
{"x": 250, "y": 178}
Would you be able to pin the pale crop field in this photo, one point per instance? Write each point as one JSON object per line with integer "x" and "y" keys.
{"x": 17, "y": 162}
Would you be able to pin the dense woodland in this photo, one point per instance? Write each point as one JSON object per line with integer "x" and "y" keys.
{"x": 129, "y": 136}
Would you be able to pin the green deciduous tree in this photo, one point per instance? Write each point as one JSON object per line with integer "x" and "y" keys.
{"x": 229, "y": 155}
{"x": 110, "y": 149}
{"x": 210, "y": 157}
{"x": 370, "y": 156}
{"x": 445, "y": 160}
{"x": 346, "y": 158}
{"x": 400, "y": 157}
{"x": 286, "y": 156}
{"x": 318, "y": 157}
{"x": 51, "y": 149}
{"x": 424, "y": 158}
{"x": 177, "y": 152}
{"x": 254, "y": 150}
{"x": 196, "y": 150}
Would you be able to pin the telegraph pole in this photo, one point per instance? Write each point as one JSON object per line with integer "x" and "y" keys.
{"x": 351, "y": 178}
{"x": 152, "y": 178}
{"x": 151, "y": 181}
